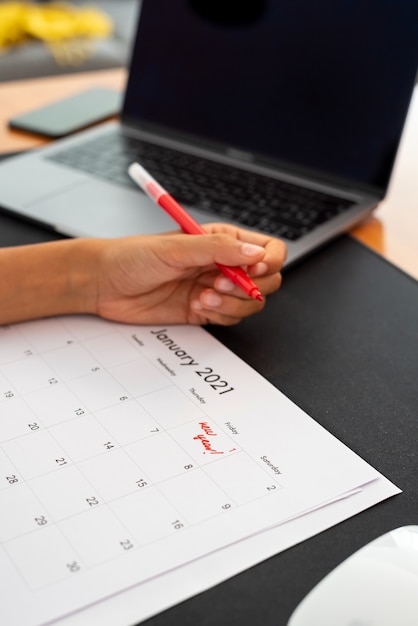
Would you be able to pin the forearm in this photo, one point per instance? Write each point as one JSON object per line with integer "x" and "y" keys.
{"x": 47, "y": 279}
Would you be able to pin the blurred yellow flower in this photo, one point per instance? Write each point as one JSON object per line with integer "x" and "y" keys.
{"x": 55, "y": 22}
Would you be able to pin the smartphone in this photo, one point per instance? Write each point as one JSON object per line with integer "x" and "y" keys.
{"x": 69, "y": 115}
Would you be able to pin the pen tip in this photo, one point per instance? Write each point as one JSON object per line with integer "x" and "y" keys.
{"x": 257, "y": 295}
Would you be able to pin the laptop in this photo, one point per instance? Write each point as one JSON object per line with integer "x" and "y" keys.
{"x": 281, "y": 116}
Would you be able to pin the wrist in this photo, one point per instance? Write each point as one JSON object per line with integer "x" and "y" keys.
{"x": 48, "y": 279}
{"x": 81, "y": 285}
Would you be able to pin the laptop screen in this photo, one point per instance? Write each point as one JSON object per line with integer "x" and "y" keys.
{"x": 321, "y": 86}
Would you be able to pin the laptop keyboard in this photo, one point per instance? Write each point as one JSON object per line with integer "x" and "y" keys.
{"x": 277, "y": 207}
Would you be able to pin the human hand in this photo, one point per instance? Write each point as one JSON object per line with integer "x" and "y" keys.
{"x": 173, "y": 279}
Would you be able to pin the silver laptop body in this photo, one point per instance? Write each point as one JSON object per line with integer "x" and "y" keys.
{"x": 309, "y": 96}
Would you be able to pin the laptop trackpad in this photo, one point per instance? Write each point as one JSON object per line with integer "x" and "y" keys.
{"x": 98, "y": 209}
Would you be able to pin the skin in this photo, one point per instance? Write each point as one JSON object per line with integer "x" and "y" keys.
{"x": 169, "y": 278}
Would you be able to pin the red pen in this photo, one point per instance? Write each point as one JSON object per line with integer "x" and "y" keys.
{"x": 188, "y": 224}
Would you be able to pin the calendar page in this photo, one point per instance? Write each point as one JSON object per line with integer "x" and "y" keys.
{"x": 127, "y": 452}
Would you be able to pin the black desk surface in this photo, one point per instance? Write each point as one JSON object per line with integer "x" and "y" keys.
{"x": 340, "y": 340}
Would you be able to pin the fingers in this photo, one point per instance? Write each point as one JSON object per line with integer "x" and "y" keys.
{"x": 272, "y": 244}
{"x": 275, "y": 256}
{"x": 219, "y": 301}
{"x": 213, "y": 307}
{"x": 186, "y": 251}
{"x": 275, "y": 250}
{"x": 227, "y": 304}
{"x": 266, "y": 284}
{"x": 226, "y": 245}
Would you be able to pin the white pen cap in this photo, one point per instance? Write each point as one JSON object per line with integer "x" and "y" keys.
{"x": 144, "y": 180}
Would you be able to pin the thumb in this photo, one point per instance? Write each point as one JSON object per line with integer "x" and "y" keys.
{"x": 209, "y": 249}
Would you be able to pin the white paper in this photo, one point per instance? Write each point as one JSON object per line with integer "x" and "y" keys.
{"x": 130, "y": 452}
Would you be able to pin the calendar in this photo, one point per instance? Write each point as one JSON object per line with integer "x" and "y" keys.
{"x": 129, "y": 451}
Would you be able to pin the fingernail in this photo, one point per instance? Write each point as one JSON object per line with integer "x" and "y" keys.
{"x": 224, "y": 284}
{"x": 211, "y": 299}
{"x": 259, "y": 269}
{"x": 250, "y": 249}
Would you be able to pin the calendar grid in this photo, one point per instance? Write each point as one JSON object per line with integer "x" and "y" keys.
{"x": 176, "y": 421}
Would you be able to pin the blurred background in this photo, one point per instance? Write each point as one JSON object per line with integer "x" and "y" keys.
{"x": 45, "y": 38}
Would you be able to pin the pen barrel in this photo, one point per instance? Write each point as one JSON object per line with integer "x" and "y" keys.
{"x": 179, "y": 215}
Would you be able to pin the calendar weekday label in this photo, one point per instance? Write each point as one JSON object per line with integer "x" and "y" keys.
{"x": 128, "y": 451}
